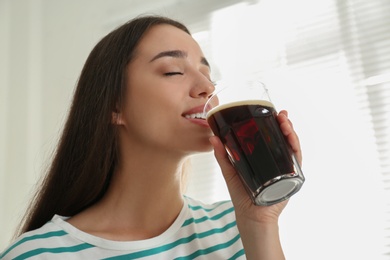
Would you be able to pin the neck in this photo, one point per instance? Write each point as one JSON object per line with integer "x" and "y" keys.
{"x": 148, "y": 182}
{"x": 143, "y": 199}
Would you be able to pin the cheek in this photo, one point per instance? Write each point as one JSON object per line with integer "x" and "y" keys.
{"x": 153, "y": 116}
{"x": 145, "y": 129}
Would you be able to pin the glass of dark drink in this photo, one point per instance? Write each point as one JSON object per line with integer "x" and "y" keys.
{"x": 242, "y": 115}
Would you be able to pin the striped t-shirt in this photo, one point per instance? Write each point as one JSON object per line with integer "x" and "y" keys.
{"x": 200, "y": 231}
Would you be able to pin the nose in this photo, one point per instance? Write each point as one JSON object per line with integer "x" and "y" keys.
{"x": 202, "y": 88}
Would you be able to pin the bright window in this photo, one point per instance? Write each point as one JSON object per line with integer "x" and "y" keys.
{"x": 328, "y": 63}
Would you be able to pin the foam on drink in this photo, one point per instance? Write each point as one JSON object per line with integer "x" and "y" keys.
{"x": 264, "y": 103}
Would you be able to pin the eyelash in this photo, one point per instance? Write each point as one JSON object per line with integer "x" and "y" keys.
{"x": 180, "y": 73}
{"x": 173, "y": 73}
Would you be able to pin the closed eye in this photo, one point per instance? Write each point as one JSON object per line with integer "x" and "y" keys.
{"x": 173, "y": 73}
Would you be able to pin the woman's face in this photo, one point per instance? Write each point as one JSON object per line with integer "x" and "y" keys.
{"x": 168, "y": 82}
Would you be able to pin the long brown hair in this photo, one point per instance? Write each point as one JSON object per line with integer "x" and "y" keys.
{"x": 87, "y": 153}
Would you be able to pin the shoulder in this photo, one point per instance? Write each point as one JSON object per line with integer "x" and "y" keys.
{"x": 220, "y": 207}
{"x": 220, "y": 214}
{"x": 29, "y": 243}
{"x": 215, "y": 229}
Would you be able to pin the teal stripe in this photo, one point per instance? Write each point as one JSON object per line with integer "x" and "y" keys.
{"x": 202, "y": 219}
{"x": 34, "y": 237}
{"x": 57, "y": 250}
{"x": 209, "y": 250}
{"x": 194, "y": 208}
{"x": 238, "y": 254}
{"x": 169, "y": 246}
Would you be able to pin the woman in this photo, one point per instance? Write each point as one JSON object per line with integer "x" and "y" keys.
{"x": 114, "y": 187}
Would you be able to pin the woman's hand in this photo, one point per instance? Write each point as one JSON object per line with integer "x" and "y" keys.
{"x": 287, "y": 129}
{"x": 254, "y": 220}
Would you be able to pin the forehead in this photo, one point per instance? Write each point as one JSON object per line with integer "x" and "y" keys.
{"x": 166, "y": 37}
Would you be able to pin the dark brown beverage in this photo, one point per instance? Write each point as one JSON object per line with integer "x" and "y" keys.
{"x": 256, "y": 146}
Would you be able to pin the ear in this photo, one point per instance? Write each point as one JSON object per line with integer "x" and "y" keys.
{"x": 116, "y": 118}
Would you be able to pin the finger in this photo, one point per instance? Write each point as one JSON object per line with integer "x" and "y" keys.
{"x": 293, "y": 140}
{"x": 284, "y": 112}
{"x": 282, "y": 117}
{"x": 291, "y": 136}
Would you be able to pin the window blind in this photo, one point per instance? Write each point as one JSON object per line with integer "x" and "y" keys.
{"x": 369, "y": 26}
{"x": 350, "y": 37}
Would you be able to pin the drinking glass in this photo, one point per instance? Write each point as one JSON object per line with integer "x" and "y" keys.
{"x": 242, "y": 115}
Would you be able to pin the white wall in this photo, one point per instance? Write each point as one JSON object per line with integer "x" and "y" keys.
{"x": 43, "y": 45}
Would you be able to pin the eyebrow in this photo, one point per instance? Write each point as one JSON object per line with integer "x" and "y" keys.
{"x": 178, "y": 54}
